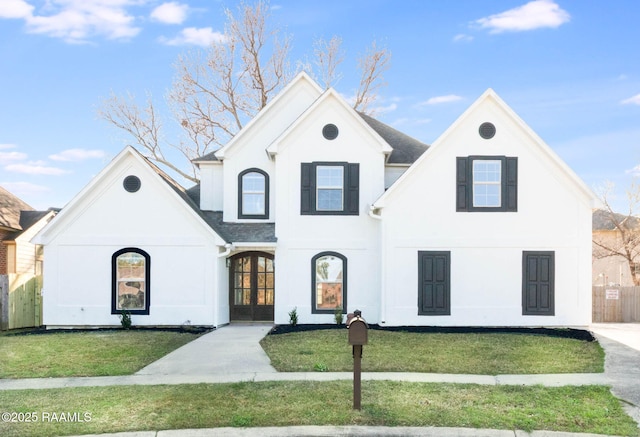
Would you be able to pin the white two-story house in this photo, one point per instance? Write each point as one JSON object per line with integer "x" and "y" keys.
{"x": 317, "y": 207}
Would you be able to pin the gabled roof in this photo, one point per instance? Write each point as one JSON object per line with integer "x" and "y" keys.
{"x": 489, "y": 94}
{"x": 229, "y": 232}
{"x": 300, "y": 78}
{"x": 406, "y": 149}
{"x": 272, "y": 149}
{"x": 10, "y": 210}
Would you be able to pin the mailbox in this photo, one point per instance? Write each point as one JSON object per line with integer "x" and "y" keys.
{"x": 358, "y": 329}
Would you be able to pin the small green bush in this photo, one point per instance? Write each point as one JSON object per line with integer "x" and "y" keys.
{"x": 338, "y": 316}
{"x": 125, "y": 319}
{"x": 293, "y": 316}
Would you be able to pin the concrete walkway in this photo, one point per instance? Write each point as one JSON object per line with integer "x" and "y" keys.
{"x": 232, "y": 354}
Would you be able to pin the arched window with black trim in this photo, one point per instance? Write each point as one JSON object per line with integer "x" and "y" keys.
{"x": 329, "y": 283}
{"x": 130, "y": 269}
{"x": 253, "y": 194}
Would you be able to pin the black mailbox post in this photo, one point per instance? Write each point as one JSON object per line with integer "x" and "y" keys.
{"x": 358, "y": 336}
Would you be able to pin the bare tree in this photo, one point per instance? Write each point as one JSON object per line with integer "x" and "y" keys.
{"x": 328, "y": 56}
{"x": 372, "y": 66}
{"x": 624, "y": 238}
{"x": 215, "y": 93}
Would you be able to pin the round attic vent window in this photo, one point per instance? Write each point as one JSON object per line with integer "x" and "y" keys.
{"x": 487, "y": 130}
{"x": 330, "y": 131}
{"x": 131, "y": 183}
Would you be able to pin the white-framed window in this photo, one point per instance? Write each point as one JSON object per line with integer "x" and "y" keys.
{"x": 329, "y": 187}
{"x": 487, "y": 183}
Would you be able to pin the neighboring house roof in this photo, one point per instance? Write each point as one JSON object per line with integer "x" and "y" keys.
{"x": 28, "y": 219}
{"x": 406, "y": 150}
{"x": 601, "y": 220}
{"x": 10, "y": 209}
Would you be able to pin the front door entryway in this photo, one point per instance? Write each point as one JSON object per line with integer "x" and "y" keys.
{"x": 251, "y": 286}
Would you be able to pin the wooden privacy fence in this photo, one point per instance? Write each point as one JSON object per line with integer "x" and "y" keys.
{"x": 616, "y": 304}
{"x": 20, "y": 306}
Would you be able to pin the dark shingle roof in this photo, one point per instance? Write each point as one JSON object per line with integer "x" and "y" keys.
{"x": 230, "y": 232}
{"x": 211, "y": 156}
{"x": 406, "y": 150}
{"x": 10, "y": 208}
{"x": 241, "y": 232}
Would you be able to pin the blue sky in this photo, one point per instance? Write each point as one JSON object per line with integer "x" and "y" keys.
{"x": 569, "y": 68}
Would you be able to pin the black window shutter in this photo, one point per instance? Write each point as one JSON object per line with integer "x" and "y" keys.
{"x": 352, "y": 184}
{"x": 434, "y": 283}
{"x": 511, "y": 185}
{"x": 307, "y": 188}
{"x": 462, "y": 184}
{"x": 538, "y": 283}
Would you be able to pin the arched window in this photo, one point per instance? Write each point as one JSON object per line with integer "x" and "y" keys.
{"x": 130, "y": 270}
{"x": 329, "y": 283}
{"x": 253, "y": 194}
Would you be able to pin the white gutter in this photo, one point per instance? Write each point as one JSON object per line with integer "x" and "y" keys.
{"x": 228, "y": 248}
{"x": 372, "y": 213}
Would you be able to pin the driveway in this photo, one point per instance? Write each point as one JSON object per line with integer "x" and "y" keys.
{"x": 621, "y": 343}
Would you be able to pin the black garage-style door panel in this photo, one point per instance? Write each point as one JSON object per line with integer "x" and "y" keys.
{"x": 434, "y": 283}
{"x": 538, "y": 283}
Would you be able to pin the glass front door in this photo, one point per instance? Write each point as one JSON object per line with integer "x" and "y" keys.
{"x": 251, "y": 286}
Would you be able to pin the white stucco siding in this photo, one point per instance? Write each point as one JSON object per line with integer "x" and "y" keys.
{"x": 182, "y": 251}
{"x": 211, "y": 186}
{"x": 301, "y": 237}
{"x": 553, "y": 214}
{"x": 249, "y": 149}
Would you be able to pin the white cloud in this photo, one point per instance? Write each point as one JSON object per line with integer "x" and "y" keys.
{"x": 635, "y": 100}
{"x": 170, "y": 13}
{"x": 385, "y": 109}
{"x": 75, "y": 21}
{"x": 7, "y": 157}
{"x": 24, "y": 189}
{"x": 15, "y": 9}
{"x": 76, "y": 155}
{"x": 461, "y": 37}
{"x": 441, "y": 99}
{"x": 533, "y": 15}
{"x": 193, "y": 36}
{"x": 36, "y": 168}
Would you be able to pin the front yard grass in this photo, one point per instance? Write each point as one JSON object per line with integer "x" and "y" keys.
{"x": 588, "y": 409}
{"x": 98, "y": 353}
{"x": 468, "y": 353}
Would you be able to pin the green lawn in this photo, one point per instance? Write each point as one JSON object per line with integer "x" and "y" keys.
{"x": 589, "y": 409}
{"x": 98, "y": 353}
{"x": 485, "y": 353}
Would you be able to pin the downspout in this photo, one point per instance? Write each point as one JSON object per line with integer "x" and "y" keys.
{"x": 383, "y": 276}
